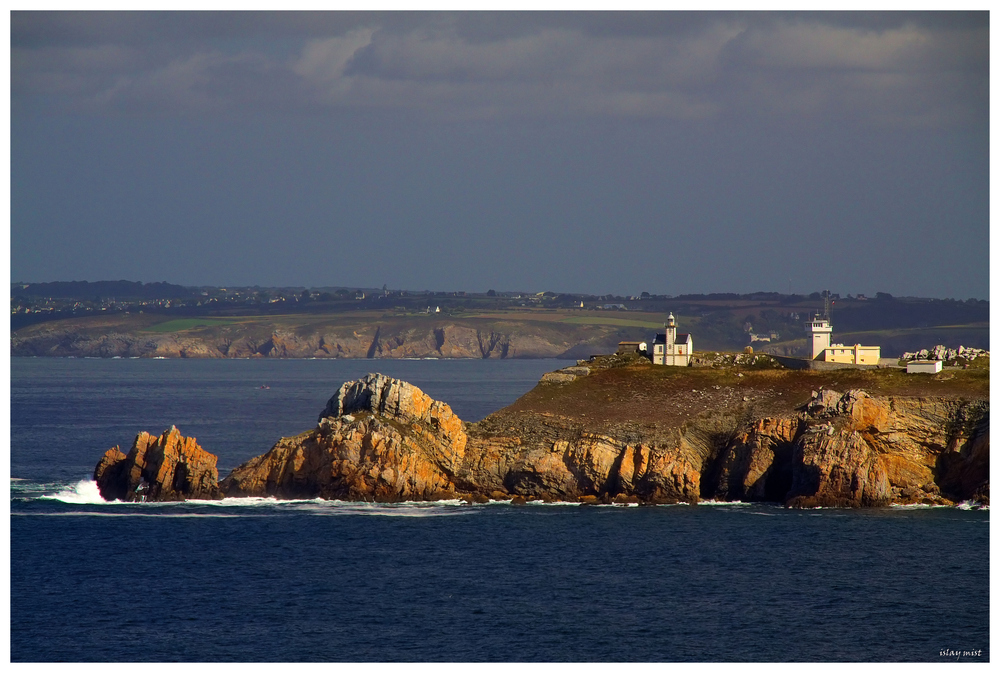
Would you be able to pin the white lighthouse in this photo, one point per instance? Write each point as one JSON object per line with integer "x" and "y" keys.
{"x": 671, "y": 348}
{"x": 670, "y": 328}
{"x": 819, "y": 330}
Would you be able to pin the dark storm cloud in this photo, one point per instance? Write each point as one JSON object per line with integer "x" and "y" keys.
{"x": 586, "y": 152}
{"x": 920, "y": 69}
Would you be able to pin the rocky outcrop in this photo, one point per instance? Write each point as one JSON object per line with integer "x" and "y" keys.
{"x": 377, "y": 439}
{"x": 757, "y": 464}
{"x": 398, "y": 400}
{"x": 382, "y": 439}
{"x": 565, "y": 375}
{"x": 949, "y": 355}
{"x": 168, "y": 467}
{"x": 859, "y": 450}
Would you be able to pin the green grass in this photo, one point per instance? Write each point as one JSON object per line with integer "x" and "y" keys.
{"x": 182, "y": 324}
{"x": 617, "y": 322}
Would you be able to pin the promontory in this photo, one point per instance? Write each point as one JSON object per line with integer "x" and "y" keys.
{"x": 614, "y": 429}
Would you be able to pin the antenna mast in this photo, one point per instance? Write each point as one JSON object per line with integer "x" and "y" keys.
{"x": 826, "y": 304}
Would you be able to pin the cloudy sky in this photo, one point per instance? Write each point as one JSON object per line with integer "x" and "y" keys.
{"x": 575, "y": 152}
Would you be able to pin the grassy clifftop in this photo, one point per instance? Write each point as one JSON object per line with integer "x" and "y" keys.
{"x": 357, "y": 335}
{"x": 641, "y": 395}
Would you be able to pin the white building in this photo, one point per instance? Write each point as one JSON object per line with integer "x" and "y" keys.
{"x": 923, "y": 366}
{"x": 671, "y": 348}
{"x": 819, "y": 331}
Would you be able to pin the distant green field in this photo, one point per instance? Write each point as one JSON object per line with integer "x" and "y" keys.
{"x": 618, "y": 322}
{"x": 182, "y": 324}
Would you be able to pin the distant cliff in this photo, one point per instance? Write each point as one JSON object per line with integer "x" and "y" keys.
{"x": 384, "y": 440}
{"x": 369, "y": 338}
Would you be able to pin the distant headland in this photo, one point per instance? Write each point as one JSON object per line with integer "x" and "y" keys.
{"x": 125, "y": 319}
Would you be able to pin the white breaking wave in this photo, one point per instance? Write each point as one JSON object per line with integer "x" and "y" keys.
{"x": 920, "y": 505}
{"x": 554, "y": 503}
{"x": 373, "y": 509}
{"x": 965, "y": 504}
{"x": 84, "y": 492}
{"x": 321, "y": 507}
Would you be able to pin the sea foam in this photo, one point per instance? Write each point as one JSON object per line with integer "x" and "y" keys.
{"x": 84, "y": 492}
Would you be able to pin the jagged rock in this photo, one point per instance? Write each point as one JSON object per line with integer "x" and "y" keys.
{"x": 399, "y": 400}
{"x": 837, "y": 471}
{"x": 831, "y": 403}
{"x": 873, "y": 450}
{"x": 557, "y": 377}
{"x": 366, "y": 458}
{"x": 168, "y": 467}
{"x": 940, "y": 352}
{"x": 377, "y": 439}
{"x": 565, "y": 375}
{"x": 757, "y": 464}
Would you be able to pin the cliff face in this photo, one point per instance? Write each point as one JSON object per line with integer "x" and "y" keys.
{"x": 413, "y": 338}
{"x": 852, "y": 449}
{"x": 385, "y": 440}
{"x": 168, "y": 467}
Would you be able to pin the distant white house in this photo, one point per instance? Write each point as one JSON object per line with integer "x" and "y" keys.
{"x": 632, "y": 347}
{"x": 671, "y": 348}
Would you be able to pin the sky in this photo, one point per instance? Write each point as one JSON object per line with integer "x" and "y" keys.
{"x": 583, "y": 152}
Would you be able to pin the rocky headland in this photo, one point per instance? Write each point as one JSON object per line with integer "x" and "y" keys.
{"x": 602, "y": 432}
{"x": 371, "y": 337}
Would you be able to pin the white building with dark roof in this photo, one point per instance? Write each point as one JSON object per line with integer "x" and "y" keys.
{"x": 671, "y": 348}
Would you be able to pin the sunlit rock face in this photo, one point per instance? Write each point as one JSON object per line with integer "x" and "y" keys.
{"x": 377, "y": 439}
{"x": 168, "y": 467}
{"x": 382, "y": 439}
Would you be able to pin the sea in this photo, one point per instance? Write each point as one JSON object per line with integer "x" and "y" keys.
{"x": 261, "y": 580}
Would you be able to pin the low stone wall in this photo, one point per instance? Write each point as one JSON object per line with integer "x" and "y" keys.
{"x": 819, "y": 365}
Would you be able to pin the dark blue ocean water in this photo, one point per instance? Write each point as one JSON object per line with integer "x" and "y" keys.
{"x": 259, "y": 580}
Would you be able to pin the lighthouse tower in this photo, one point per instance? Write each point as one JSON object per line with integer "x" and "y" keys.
{"x": 819, "y": 330}
{"x": 671, "y": 348}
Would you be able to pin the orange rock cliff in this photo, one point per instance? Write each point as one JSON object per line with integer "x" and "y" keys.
{"x": 381, "y": 439}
